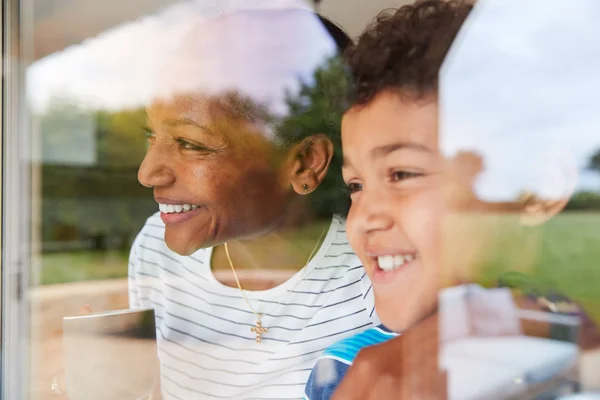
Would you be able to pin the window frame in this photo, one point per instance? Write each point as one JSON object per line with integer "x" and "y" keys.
{"x": 16, "y": 202}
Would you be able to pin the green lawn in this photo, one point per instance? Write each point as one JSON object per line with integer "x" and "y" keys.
{"x": 566, "y": 252}
{"x": 95, "y": 265}
{"x": 82, "y": 266}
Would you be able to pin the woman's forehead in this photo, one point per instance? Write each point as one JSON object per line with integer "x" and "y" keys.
{"x": 207, "y": 111}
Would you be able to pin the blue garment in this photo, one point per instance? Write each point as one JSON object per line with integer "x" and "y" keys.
{"x": 337, "y": 358}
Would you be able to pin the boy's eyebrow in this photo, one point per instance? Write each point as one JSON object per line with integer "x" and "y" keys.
{"x": 384, "y": 150}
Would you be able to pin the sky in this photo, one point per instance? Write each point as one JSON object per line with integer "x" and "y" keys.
{"x": 521, "y": 87}
{"x": 126, "y": 66}
{"x": 519, "y": 72}
{"x": 192, "y": 46}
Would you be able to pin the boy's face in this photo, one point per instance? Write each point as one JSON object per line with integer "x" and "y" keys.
{"x": 396, "y": 175}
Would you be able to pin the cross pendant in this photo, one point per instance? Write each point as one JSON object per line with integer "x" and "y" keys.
{"x": 259, "y": 330}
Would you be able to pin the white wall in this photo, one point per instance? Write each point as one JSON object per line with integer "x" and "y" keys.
{"x": 354, "y": 15}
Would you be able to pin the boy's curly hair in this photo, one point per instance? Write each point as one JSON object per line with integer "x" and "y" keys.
{"x": 403, "y": 49}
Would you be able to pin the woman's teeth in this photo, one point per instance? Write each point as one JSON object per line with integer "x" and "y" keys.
{"x": 390, "y": 263}
{"x": 176, "y": 208}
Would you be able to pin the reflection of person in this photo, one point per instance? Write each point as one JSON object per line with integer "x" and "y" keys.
{"x": 395, "y": 174}
{"x": 413, "y": 222}
{"x": 233, "y": 197}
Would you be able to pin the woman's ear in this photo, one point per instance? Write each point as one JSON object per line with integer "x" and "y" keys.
{"x": 310, "y": 162}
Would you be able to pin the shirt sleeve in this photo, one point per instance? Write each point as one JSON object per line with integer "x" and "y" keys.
{"x": 325, "y": 378}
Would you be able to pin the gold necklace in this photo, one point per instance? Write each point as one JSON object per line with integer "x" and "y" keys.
{"x": 258, "y": 327}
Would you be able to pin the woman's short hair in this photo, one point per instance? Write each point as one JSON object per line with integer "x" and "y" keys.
{"x": 341, "y": 38}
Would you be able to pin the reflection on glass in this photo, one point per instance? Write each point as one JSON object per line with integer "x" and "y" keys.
{"x": 241, "y": 106}
{"x": 244, "y": 161}
{"x": 519, "y": 125}
{"x": 230, "y": 117}
{"x": 102, "y": 349}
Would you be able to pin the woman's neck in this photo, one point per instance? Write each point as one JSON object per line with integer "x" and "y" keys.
{"x": 286, "y": 249}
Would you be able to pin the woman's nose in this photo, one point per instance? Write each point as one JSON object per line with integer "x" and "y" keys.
{"x": 155, "y": 170}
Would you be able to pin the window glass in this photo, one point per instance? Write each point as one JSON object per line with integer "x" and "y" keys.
{"x": 176, "y": 223}
{"x": 233, "y": 113}
{"x": 518, "y": 122}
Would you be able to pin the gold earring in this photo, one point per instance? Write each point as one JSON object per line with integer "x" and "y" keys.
{"x": 305, "y": 187}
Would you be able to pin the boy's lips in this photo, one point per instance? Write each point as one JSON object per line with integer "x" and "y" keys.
{"x": 390, "y": 262}
{"x": 386, "y": 264}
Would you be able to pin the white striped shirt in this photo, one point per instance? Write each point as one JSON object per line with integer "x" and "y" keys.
{"x": 205, "y": 345}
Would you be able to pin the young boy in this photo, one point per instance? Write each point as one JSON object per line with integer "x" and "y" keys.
{"x": 435, "y": 199}
{"x": 394, "y": 172}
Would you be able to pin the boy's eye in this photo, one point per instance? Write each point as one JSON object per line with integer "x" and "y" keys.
{"x": 354, "y": 187}
{"x": 404, "y": 175}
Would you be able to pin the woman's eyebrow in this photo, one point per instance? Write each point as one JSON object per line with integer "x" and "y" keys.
{"x": 176, "y": 122}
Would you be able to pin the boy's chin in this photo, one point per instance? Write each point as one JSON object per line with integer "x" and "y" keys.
{"x": 400, "y": 316}
{"x": 395, "y": 324}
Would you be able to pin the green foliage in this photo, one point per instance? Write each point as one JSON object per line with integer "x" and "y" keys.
{"x": 121, "y": 141}
{"x": 585, "y": 200}
{"x": 595, "y": 161}
{"x": 89, "y": 184}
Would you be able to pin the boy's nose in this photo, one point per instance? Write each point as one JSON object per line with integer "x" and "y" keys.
{"x": 154, "y": 170}
{"x": 371, "y": 212}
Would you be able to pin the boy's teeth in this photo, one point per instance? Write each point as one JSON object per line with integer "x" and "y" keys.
{"x": 389, "y": 263}
{"x": 176, "y": 208}
{"x": 386, "y": 262}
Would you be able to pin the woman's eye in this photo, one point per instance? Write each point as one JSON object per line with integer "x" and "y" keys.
{"x": 185, "y": 145}
{"x": 404, "y": 175}
{"x": 149, "y": 133}
{"x": 354, "y": 187}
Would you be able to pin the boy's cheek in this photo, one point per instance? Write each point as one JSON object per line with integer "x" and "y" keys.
{"x": 352, "y": 232}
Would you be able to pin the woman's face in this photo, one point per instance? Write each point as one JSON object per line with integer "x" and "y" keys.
{"x": 215, "y": 175}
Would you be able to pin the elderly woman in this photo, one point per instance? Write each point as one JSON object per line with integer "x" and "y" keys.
{"x": 241, "y": 134}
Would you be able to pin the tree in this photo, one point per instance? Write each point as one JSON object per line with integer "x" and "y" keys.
{"x": 120, "y": 136}
{"x": 89, "y": 172}
{"x": 595, "y": 161}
